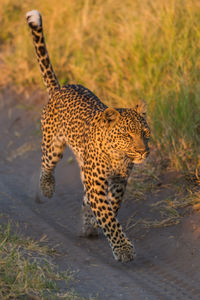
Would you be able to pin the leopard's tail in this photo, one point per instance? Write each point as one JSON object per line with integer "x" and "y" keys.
{"x": 34, "y": 21}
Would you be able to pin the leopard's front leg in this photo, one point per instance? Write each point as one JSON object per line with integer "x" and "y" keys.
{"x": 122, "y": 248}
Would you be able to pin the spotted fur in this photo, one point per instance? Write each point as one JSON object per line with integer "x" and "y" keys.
{"x": 107, "y": 142}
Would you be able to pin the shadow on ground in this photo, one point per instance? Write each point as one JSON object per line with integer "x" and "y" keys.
{"x": 168, "y": 258}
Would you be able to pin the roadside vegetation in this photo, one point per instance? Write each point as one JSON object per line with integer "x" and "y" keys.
{"x": 27, "y": 270}
{"x": 163, "y": 197}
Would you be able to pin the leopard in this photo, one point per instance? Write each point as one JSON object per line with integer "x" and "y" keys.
{"x": 107, "y": 142}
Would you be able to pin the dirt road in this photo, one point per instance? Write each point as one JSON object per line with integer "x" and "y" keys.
{"x": 168, "y": 259}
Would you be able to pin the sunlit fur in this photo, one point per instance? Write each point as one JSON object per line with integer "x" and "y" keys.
{"x": 106, "y": 142}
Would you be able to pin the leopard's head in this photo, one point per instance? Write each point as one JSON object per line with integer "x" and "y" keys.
{"x": 126, "y": 132}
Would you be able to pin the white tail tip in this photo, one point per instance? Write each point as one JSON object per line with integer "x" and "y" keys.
{"x": 33, "y": 17}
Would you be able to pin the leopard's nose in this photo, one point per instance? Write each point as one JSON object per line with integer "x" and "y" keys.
{"x": 143, "y": 152}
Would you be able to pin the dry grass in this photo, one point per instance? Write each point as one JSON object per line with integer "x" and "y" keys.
{"x": 161, "y": 196}
{"x": 123, "y": 51}
{"x": 27, "y": 270}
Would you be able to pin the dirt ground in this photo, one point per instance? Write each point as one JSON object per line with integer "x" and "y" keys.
{"x": 168, "y": 258}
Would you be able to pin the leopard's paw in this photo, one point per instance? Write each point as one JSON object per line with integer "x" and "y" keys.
{"x": 47, "y": 184}
{"x": 125, "y": 252}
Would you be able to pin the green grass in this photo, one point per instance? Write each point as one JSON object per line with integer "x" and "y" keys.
{"x": 27, "y": 271}
{"x": 123, "y": 51}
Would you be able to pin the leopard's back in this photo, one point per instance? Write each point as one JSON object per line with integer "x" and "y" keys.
{"x": 79, "y": 101}
{"x": 73, "y": 109}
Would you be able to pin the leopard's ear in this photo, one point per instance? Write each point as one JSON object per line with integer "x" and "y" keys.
{"x": 141, "y": 108}
{"x": 110, "y": 116}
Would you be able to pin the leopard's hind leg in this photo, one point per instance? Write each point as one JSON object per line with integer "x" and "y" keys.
{"x": 89, "y": 223}
{"x": 52, "y": 152}
{"x": 116, "y": 190}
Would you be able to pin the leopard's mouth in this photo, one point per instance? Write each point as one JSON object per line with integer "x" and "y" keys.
{"x": 138, "y": 158}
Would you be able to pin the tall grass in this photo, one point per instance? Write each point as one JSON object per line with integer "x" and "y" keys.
{"x": 123, "y": 51}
